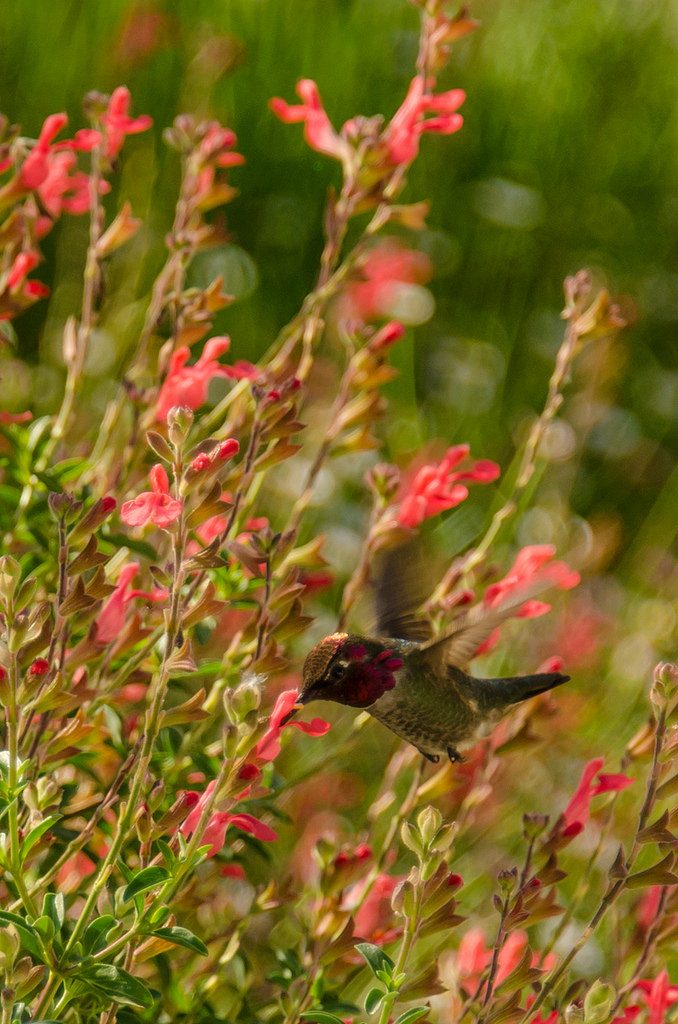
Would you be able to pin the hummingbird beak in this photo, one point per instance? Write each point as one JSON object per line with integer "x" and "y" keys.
{"x": 294, "y": 710}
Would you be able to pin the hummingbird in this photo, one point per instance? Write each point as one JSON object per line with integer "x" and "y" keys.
{"x": 416, "y": 684}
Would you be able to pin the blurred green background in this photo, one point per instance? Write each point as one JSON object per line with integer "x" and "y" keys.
{"x": 568, "y": 158}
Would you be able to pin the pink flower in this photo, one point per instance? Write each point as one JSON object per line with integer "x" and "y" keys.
{"x": 318, "y": 130}
{"x": 156, "y": 506}
{"x": 374, "y": 917}
{"x": 397, "y": 145}
{"x": 111, "y": 619}
{"x": 21, "y": 267}
{"x": 35, "y": 167}
{"x": 268, "y": 747}
{"x": 15, "y": 417}
{"x": 64, "y": 187}
{"x": 659, "y": 995}
{"x": 436, "y": 488}
{"x": 386, "y": 270}
{"x": 532, "y": 564}
{"x": 118, "y": 124}
{"x": 214, "y": 835}
{"x": 409, "y": 123}
{"x": 576, "y": 814}
{"x": 188, "y": 385}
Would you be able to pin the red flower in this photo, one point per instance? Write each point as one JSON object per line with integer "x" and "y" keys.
{"x": 397, "y": 145}
{"x": 576, "y": 814}
{"x": 118, "y": 124}
{"x": 214, "y": 835}
{"x": 387, "y": 270}
{"x": 224, "y": 450}
{"x": 156, "y": 506}
{"x": 111, "y": 618}
{"x": 268, "y": 747}
{"x": 187, "y": 385}
{"x": 659, "y": 995}
{"x": 35, "y": 167}
{"x": 386, "y": 336}
{"x": 374, "y": 917}
{"x": 15, "y": 417}
{"x": 21, "y": 267}
{"x": 409, "y": 123}
{"x": 318, "y": 130}
{"x": 532, "y": 564}
{"x": 435, "y": 488}
{"x": 40, "y": 667}
{"x": 64, "y": 187}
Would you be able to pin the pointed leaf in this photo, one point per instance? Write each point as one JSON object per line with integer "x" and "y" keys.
{"x": 182, "y": 937}
{"x": 375, "y": 958}
{"x": 148, "y": 878}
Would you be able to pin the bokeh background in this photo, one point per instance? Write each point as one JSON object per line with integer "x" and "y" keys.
{"x": 568, "y": 158}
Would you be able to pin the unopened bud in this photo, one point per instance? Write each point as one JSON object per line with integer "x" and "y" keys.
{"x": 179, "y": 423}
{"x": 429, "y": 821}
{"x": 403, "y": 899}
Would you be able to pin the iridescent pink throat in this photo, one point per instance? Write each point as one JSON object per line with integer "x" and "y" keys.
{"x": 369, "y": 676}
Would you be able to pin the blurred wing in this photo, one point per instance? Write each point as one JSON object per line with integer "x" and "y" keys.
{"x": 458, "y": 646}
{"x": 400, "y": 589}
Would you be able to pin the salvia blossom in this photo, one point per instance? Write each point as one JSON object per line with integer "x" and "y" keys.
{"x": 117, "y": 123}
{"x": 436, "y": 488}
{"x": 188, "y": 385}
{"x": 658, "y": 994}
{"x": 474, "y": 956}
{"x": 268, "y": 747}
{"x": 398, "y": 143}
{"x": 111, "y": 618}
{"x": 374, "y": 917}
{"x": 214, "y": 835}
{"x": 7, "y": 418}
{"x": 533, "y": 564}
{"x": 222, "y": 451}
{"x": 388, "y": 273}
{"x": 592, "y": 782}
{"x": 156, "y": 506}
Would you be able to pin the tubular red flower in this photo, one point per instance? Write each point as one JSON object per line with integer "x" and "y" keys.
{"x": 436, "y": 488}
{"x": 188, "y": 385}
{"x": 408, "y": 124}
{"x": 118, "y": 124}
{"x": 268, "y": 747}
{"x": 156, "y": 506}
{"x": 111, "y": 619}
{"x": 532, "y": 564}
{"x": 578, "y": 810}
{"x": 318, "y": 130}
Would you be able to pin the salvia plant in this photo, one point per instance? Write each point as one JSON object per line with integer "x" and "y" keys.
{"x": 172, "y": 849}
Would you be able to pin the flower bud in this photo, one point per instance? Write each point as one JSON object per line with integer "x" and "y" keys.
{"x": 404, "y": 898}
{"x": 429, "y": 821}
{"x": 179, "y": 423}
{"x": 10, "y": 574}
{"x": 598, "y": 1003}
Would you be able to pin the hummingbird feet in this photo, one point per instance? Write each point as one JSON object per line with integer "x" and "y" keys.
{"x": 433, "y": 758}
{"x": 454, "y": 756}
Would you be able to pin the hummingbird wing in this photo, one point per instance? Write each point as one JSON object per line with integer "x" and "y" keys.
{"x": 400, "y": 589}
{"x": 458, "y": 646}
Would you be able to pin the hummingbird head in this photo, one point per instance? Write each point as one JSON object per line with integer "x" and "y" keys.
{"x": 349, "y": 669}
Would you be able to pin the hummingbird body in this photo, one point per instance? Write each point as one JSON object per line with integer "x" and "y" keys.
{"x": 415, "y": 689}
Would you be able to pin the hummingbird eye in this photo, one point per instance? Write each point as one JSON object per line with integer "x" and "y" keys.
{"x": 337, "y": 670}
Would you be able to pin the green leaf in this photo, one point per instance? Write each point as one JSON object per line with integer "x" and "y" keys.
{"x": 409, "y": 1016}
{"x": 373, "y": 998}
{"x": 96, "y": 932}
{"x": 54, "y": 908}
{"x": 182, "y": 937}
{"x": 321, "y": 1016}
{"x": 145, "y": 879}
{"x": 44, "y": 926}
{"x": 29, "y": 936}
{"x": 375, "y": 958}
{"x": 118, "y": 984}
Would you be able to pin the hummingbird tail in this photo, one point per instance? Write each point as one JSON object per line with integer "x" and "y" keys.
{"x": 517, "y": 688}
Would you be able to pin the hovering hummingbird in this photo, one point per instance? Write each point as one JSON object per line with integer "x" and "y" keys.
{"x": 415, "y": 684}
